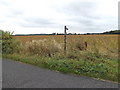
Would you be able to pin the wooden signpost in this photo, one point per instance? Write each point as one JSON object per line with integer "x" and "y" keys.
{"x": 65, "y": 41}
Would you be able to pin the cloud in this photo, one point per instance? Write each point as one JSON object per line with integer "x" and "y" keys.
{"x": 86, "y": 18}
{"x": 78, "y": 15}
{"x": 36, "y": 22}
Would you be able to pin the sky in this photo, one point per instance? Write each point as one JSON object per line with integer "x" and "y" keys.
{"x": 50, "y": 16}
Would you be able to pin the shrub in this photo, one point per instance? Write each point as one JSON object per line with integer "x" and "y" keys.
{"x": 9, "y": 44}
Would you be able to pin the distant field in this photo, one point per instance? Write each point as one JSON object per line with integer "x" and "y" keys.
{"x": 105, "y": 44}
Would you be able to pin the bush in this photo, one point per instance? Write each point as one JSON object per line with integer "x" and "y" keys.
{"x": 9, "y": 44}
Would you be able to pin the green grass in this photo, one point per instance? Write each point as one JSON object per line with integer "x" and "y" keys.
{"x": 101, "y": 68}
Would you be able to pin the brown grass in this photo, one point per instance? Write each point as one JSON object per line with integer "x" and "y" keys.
{"x": 103, "y": 44}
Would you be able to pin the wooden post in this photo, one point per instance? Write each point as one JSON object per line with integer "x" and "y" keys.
{"x": 65, "y": 41}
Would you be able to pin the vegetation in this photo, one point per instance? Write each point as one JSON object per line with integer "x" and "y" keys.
{"x": 90, "y": 55}
{"x": 0, "y": 44}
{"x": 108, "y": 32}
{"x": 112, "y": 32}
{"x": 9, "y": 44}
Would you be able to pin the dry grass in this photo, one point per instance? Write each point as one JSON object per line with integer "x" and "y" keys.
{"x": 42, "y": 47}
{"x": 102, "y": 44}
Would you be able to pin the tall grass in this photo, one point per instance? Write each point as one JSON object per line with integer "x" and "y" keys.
{"x": 42, "y": 47}
{"x": 106, "y": 45}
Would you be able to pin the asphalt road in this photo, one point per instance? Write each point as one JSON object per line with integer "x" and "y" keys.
{"x": 19, "y": 75}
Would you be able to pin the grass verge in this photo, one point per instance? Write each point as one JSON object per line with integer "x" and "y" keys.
{"x": 100, "y": 68}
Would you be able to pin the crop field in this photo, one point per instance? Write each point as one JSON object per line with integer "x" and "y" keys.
{"x": 102, "y": 44}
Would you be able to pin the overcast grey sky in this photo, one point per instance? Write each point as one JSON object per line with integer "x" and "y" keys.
{"x": 49, "y": 16}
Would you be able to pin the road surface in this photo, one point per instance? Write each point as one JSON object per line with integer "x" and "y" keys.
{"x": 19, "y": 75}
